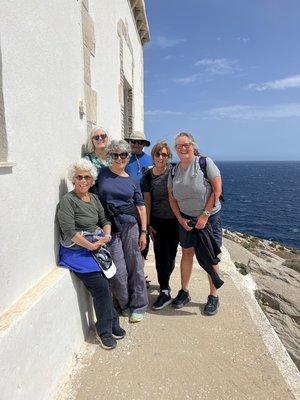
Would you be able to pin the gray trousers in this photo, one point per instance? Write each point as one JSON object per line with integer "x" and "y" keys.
{"x": 129, "y": 284}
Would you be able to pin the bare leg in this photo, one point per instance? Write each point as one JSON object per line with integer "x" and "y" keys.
{"x": 186, "y": 266}
{"x": 213, "y": 290}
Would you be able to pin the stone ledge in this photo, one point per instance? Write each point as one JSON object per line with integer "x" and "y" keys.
{"x": 7, "y": 164}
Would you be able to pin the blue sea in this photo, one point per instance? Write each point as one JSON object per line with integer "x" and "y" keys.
{"x": 262, "y": 199}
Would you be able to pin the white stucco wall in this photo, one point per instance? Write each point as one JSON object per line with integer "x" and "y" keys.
{"x": 42, "y": 83}
{"x": 43, "y": 80}
{"x": 42, "y": 71}
{"x": 107, "y": 13}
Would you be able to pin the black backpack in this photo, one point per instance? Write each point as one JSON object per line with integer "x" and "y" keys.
{"x": 202, "y": 164}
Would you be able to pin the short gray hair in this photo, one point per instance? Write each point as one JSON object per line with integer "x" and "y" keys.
{"x": 89, "y": 143}
{"x": 192, "y": 139}
{"x": 119, "y": 146}
{"x": 84, "y": 165}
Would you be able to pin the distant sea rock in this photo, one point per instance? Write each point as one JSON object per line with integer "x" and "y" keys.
{"x": 275, "y": 269}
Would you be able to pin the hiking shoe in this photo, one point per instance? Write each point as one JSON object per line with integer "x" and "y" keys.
{"x": 136, "y": 317}
{"x": 118, "y": 332}
{"x": 126, "y": 312}
{"x": 181, "y": 299}
{"x": 162, "y": 301}
{"x": 107, "y": 342}
{"x": 212, "y": 305}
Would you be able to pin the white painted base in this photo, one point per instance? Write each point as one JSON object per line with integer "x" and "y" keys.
{"x": 40, "y": 334}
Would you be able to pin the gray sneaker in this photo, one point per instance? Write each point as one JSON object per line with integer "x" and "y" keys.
{"x": 212, "y": 305}
{"x": 107, "y": 342}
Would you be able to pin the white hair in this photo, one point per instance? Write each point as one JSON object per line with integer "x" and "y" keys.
{"x": 89, "y": 144}
{"x": 116, "y": 146}
{"x": 83, "y": 165}
{"x": 192, "y": 139}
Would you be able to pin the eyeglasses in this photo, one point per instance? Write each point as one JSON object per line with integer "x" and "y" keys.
{"x": 115, "y": 156}
{"x": 102, "y": 137}
{"x": 158, "y": 154}
{"x": 140, "y": 142}
{"x": 186, "y": 145}
{"x": 85, "y": 177}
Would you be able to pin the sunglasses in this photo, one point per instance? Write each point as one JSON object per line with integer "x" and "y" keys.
{"x": 140, "y": 142}
{"x": 158, "y": 154}
{"x": 85, "y": 177}
{"x": 102, "y": 137}
{"x": 186, "y": 145}
{"x": 115, "y": 156}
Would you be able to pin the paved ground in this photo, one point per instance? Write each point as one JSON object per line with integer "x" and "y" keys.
{"x": 182, "y": 354}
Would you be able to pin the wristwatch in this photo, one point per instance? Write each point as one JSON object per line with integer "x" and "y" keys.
{"x": 144, "y": 231}
{"x": 206, "y": 213}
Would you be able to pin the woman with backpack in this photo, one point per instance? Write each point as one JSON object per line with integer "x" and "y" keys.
{"x": 194, "y": 192}
{"x": 162, "y": 224}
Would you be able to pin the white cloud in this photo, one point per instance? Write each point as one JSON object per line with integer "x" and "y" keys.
{"x": 243, "y": 39}
{"x": 162, "y": 112}
{"x": 218, "y": 66}
{"x": 238, "y": 112}
{"x": 168, "y": 57}
{"x": 188, "y": 79}
{"x": 245, "y": 112}
{"x": 280, "y": 84}
{"x": 165, "y": 42}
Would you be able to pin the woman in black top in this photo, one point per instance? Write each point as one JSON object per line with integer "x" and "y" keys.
{"x": 162, "y": 224}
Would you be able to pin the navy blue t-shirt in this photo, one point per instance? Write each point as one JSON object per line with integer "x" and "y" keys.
{"x": 119, "y": 191}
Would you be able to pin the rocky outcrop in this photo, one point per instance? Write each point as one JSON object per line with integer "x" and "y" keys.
{"x": 275, "y": 269}
{"x": 279, "y": 296}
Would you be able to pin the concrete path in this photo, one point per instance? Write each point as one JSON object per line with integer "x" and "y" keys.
{"x": 183, "y": 354}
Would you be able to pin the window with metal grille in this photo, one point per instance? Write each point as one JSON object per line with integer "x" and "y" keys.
{"x": 128, "y": 118}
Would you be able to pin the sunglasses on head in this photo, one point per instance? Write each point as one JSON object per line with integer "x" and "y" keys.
{"x": 103, "y": 136}
{"x": 115, "y": 156}
{"x": 85, "y": 177}
{"x": 133, "y": 141}
{"x": 158, "y": 154}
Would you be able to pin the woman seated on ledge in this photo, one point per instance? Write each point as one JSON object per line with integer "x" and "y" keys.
{"x": 123, "y": 201}
{"x": 81, "y": 211}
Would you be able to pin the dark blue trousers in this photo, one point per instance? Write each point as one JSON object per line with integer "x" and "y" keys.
{"x": 98, "y": 286}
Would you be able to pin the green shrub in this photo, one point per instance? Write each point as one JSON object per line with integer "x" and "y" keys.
{"x": 294, "y": 264}
{"x": 247, "y": 245}
{"x": 241, "y": 267}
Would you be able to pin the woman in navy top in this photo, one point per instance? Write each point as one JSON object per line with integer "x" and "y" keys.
{"x": 123, "y": 201}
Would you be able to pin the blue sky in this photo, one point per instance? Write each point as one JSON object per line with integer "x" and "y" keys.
{"x": 228, "y": 72}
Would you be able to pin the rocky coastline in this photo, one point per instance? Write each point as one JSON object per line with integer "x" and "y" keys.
{"x": 275, "y": 269}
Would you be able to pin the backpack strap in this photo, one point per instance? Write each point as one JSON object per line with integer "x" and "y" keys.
{"x": 202, "y": 164}
{"x": 173, "y": 170}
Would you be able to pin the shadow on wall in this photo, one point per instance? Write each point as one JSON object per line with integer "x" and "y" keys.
{"x": 62, "y": 190}
{"x": 85, "y": 304}
{"x": 3, "y": 135}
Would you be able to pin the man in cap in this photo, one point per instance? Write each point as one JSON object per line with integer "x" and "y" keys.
{"x": 139, "y": 161}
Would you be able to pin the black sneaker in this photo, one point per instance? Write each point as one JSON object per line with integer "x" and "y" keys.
{"x": 162, "y": 301}
{"x": 107, "y": 342}
{"x": 118, "y": 332}
{"x": 212, "y": 305}
{"x": 181, "y": 299}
